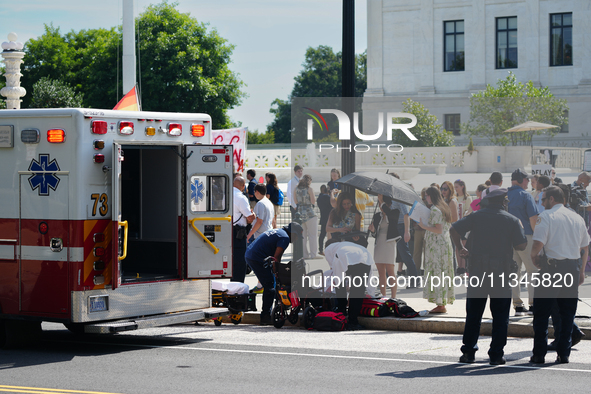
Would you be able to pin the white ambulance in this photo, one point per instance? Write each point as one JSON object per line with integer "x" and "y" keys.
{"x": 110, "y": 220}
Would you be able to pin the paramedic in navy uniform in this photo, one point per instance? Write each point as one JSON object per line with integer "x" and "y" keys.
{"x": 242, "y": 216}
{"x": 562, "y": 235}
{"x": 494, "y": 233}
{"x": 270, "y": 243}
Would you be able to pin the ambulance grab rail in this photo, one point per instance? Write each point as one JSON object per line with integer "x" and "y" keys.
{"x": 124, "y": 224}
{"x": 192, "y": 223}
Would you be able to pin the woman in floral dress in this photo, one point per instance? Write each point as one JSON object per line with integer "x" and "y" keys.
{"x": 345, "y": 217}
{"x": 438, "y": 253}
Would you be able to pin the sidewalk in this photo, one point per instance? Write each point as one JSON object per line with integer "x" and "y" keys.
{"x": 451, "y": 322}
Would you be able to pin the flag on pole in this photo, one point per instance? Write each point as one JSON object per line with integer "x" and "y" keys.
{"x": 129, "y": 102}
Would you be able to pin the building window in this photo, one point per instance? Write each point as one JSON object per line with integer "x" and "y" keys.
{"x": 452, "y": 123}
{"x": 564, "y": 126}
{"x": 507, "y": 42}
{"x": 561, "y": 39}
{"x": 453, "y": 44}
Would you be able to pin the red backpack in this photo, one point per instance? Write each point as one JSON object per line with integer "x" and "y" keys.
{"x": 374, "y": 308}
{"x": 329, "y": 321}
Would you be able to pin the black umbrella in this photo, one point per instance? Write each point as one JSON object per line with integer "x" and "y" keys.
{"x": 375, "y": 183}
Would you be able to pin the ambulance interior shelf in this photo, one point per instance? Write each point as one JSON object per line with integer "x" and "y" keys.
{"x": 192, "y": 223}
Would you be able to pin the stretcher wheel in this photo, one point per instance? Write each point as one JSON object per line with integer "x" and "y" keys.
{"x": 217, "y": 321}
{"x": 308, "y": 317}
{"x": 277, "y": 315}
{"x": 293, "y": 317}
{"x": 237, "y": 318}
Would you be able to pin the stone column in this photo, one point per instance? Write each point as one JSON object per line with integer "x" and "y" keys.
{"x": 375, "y": 49}
{"x": 13, "y": 57}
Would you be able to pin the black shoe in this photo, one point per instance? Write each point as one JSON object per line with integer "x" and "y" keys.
{"x": 461, "y": 271}
{"x": 498, "y": 361}
{"x": 355, "y": 327}
{"x": 561, "y": 360}
{"x": 552, "y": 346}
{"x": 521, "y": 311}
{"x": 537, "y": 360}
{"x": 576, "y": 337}
{"x": 467, "y": 358}
{"x": 266, "y": 320}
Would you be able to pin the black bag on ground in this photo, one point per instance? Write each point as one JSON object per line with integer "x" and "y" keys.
{"x": 330, "y": 321}
{"x": 399, "y": 308}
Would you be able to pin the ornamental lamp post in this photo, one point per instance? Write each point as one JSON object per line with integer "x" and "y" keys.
{"x": 13, "y": 57}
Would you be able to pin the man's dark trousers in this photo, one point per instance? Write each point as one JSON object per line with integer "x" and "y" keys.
{"x": 356, "y": 293}
{"x": 267, "y": 279}
{"x": 499, "y": 308}
{"x": 566, "y": 298}
{"x": 238, "y": 261}
{"x": 404, "y": 253}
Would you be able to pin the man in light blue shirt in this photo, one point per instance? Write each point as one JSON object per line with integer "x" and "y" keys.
{"x": 523, "y": 206}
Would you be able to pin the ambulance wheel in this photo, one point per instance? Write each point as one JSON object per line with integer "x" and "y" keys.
{"x": 217, "y": 321}
{"x": 308, "y": 317}
{"x": 16, "y": 333}
{"x": 277, "y": 315}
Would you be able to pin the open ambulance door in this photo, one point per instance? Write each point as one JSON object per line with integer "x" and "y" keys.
{"x": 119, "y": 228}
{"x": 208, "y": 196}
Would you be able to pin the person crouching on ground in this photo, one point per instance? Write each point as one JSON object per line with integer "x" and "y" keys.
{"x": 270, "y": 243}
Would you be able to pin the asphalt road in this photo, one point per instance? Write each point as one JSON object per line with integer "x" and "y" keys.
{"x": 252, "y": 359}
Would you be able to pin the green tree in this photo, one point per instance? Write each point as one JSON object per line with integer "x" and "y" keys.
{"x": 320, "y": 77}
{"x": 254, "y": 137}
{"x": 496, "y": 109}
{"x": 183, "y": 67}
{"x": 85, "y": 60}
{"x": 427, "y": 131}
{"x": 50, "y": 93}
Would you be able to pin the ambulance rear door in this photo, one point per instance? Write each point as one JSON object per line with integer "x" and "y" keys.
{"x": 208, "y": 196}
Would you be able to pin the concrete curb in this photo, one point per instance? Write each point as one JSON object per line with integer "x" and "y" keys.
{"x": 518, "y": 327}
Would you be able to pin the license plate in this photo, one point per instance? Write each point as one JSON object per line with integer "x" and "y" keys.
{"x": 98, "y": 303}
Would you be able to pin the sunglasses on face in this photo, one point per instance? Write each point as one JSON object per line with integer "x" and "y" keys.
{"x": 444, "y": 189}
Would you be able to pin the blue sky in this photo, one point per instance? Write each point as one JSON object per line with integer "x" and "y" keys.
{"x": 271, "y": 37}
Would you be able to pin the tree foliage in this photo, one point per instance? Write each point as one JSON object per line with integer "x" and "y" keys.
{"x": 254, "y": 137}
{"x": 427, "y": 131}
{"x": 183, "y": 66}
{"x": 51, "y": 93}
{"x": 321, "y": 76}
{"x": 496, "y": 109}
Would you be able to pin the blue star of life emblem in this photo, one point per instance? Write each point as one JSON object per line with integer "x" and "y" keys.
{"x": 44, "y": 181}
{"x": 197, "y": 193}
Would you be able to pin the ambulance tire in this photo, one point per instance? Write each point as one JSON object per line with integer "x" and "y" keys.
{"x": 16, "y": 334}
{"x": 217, "y": 322}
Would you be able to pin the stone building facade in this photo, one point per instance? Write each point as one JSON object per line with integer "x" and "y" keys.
{"x": 439, "y": 52}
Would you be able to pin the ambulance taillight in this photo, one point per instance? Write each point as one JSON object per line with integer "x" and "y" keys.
{"x": 99, "y": 158}
{"x": 197, "y": 130}
{"x": 150, "y": 131}
{"x": 125, "y": 128}
{"x": 56, "y": 136}
{"x": 175, "y": 129}
{"x": 98, "y": 127}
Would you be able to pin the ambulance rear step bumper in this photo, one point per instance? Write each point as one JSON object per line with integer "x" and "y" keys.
{"x": 154, "y": 321}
